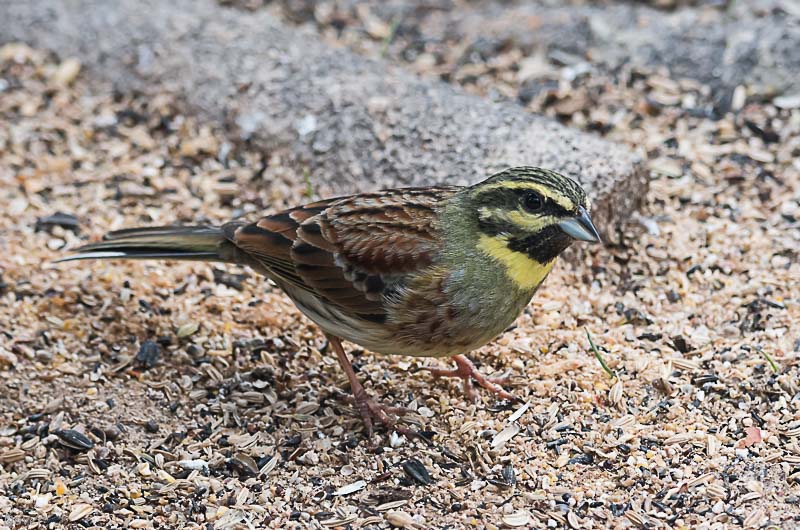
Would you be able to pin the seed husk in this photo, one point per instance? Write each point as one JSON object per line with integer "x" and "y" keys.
{"x": 505, "y": 435}
{"x": 244, "y": 464}
{"x": 12, "y": 455}
{"x": 79, "y": 511}
{"x": 351, "y": 488}
{"x": 187, "y": 329}
{"x": 400, "y": 519}
{"x": 517, "y": 519}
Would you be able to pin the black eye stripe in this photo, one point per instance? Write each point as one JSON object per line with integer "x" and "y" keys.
{"x": 510, "y": 199}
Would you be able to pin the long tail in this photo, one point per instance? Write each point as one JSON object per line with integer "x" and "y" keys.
{"x": 202, "y": 243}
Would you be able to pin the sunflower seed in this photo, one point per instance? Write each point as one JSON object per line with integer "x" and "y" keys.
{"x": 270, "y": 465}
{"x": 716, "y": 491}
{"x": 508, "y": 474}
{"x": 11, "y": 456}
{"x": 791, "y": 433}
{"x": 792, "y": 459}
{"x": 73, "y": 439}
{"x": 684, "y": 364}
{"x": 635, "y": 518}
{"x": 340, "y": 521}
{"x": 148, "y": 355}
{"x": 754, "y": 520}
{"x": 416, "y": 470}
{"x": 747, "y": 497}
{"x": 623, "y": 422}
{"x": 702, "y": 479}
{"x": 680, "y": 438}
{"x": 30, "y": 444}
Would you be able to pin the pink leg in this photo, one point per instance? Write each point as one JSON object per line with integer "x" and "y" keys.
{"x": 466, "y": 370}
{"x": 369, "y": 408}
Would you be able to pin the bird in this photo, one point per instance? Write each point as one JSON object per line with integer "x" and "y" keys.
{"x": 435, "y": 271}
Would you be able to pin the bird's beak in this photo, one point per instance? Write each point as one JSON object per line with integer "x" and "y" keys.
{"x": 580, "y": 227}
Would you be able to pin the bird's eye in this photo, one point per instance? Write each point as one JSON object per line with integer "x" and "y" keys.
{"x": 532, "y": 201}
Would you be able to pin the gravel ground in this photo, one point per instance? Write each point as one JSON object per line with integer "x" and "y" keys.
{"x": 166, "y": 395}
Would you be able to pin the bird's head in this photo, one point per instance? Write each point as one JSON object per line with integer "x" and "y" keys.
{"x": 526, "y": 216}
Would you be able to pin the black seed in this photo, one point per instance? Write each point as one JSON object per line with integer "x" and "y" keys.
{"x": 66, "y": 221}
{"x": 148, "y": 354}
{"x": 583, "y": 458}
{"x": 680, "y": 344}
{"x": 701, "y": 380}
{"x": 554, "y": 444}
{"x": 417, "y": 471}
{"x": 508, "y": 474}
{"x": 650, "y": 336}
{"x": 151, "y": 426}
{"x": 74, "y": 440}
{"x": 692, "y": 270}
{"x": 294, "y": 441}
{"x": 673, "y": 296}
{"x": 234, "y": 281}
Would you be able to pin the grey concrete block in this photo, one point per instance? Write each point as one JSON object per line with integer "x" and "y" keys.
{"x": 356, "y": 124}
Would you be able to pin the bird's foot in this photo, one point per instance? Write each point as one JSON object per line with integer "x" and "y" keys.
{"x": 371, "y": 412}
{"x": 466, "y": 370}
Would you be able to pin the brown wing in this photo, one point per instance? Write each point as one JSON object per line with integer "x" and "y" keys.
{"x": 349, "y": 250}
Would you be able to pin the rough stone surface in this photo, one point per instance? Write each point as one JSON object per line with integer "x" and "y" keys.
{"x": 354, "y": 123}
{"x": 752, "y": 43}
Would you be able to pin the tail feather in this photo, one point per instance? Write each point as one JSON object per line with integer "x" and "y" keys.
{"x": 203, "y": 243}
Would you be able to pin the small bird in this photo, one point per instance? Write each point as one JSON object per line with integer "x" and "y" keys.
{"x": 432, "y": 271}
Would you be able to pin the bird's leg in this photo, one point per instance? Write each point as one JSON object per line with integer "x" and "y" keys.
{"x": 466, "y": 370}
{"x": 368, "y": 408}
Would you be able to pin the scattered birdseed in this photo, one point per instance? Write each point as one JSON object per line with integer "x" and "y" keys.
{"x": 250, "y": 433}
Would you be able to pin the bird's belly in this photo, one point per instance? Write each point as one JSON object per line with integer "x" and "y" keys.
{"x": 344, "y": 324}
{"x": 432, "y": 330}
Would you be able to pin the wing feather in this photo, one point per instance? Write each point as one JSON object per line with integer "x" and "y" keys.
{"x": 349, "y": 250}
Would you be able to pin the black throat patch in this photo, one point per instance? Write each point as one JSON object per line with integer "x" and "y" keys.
{"x": 544, "y": 246}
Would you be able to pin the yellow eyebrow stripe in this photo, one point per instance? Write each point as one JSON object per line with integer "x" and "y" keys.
{"x": 525, "y": 272}
{"x": 545, "y": 191}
